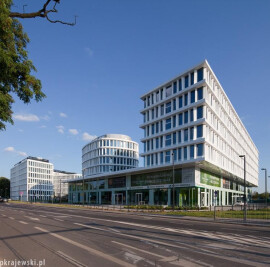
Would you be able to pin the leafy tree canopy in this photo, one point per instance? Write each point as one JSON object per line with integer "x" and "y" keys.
{"x": 4, "y": 187}
{"x": 16, "y": 76}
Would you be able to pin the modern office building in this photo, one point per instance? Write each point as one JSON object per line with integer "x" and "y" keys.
{"x": 31, "y": 179}
{"x": 60, "y": 184}
{"x": 109, "y": 153}
{"x": 192, "y": 140}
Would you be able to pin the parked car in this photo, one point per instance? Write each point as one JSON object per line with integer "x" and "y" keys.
{"x": 5, "y": 200}
{"x": 1, "y": 199}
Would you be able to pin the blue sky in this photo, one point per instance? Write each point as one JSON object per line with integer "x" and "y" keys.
{"x": 95, "y": 72}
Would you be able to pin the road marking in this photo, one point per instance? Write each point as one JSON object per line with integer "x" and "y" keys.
{"x": 11, "y": 218}
{"x": 4, "y": 215}
{"x": 31, "y": 218}
{"x": 58, "y": 220}
{"x": 203, "y": 251}
{"x": 23, "y": 222}
{"x": 43, "y": 216}
{"x": 91, "y": 250}
{"x": 71, "y": 260}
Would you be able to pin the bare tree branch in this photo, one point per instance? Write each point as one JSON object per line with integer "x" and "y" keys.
{"x": 42, "y": 13}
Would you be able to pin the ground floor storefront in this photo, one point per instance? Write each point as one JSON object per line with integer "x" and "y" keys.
{"x": 190, "y": 186}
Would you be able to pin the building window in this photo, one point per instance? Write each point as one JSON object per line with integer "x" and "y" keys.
{"x": 161, "y": 94}
{"x": 199, "y": 74}
{"x": 144, "y": 103}
{"x": 200, "y": 93}
{"x": 186, "y": 81}
{"x": 199, "y": 112}
{"x": 153, "y": 128}
{"x": 186, "y": 99}
{"x": 168, "y": 91}
{"x": 168, "y": 141}
{"x": 168, "y": 124}
{"x": 174, "y": 154}
{"x": 180, "y": 84}
{"x": 192, "y": 96}
{"x": 157, "y": 96}
{"x": 199, "y": 131}
{"x": 180, "y": 119}
{"x": 179, "y": 154}
{"x": 179, "y": 137}
{"x": 180, "y": 102}
{"x": 192, "y": 78}
{"x": 161, "y": 157}
{"x": 161, "y": 141}
{"x": 161, "y": 126}
{"x": 186, "y": 117}
{"x": 167, "y": 157}
{"x": 157, "y": 143}
{"x": 174, "y": 138}
{"x": 162, "y": 110}
{"x": 186, "y": 135}
{"x": 191, "y": 115}
{"x": 192, "y": 151}
{"x": 199, "y": 150}
{"x": 174, "y": 121}
{"x": 185, "y": 153}
{"x": 156, "y": 112}
{"x": 168, "y": 107}
{"x": 174, "y": 104}
{"x": 174, "y": 87}
{"x": 157, "y": 127}
{"x": 148, "y": 160}
{"x": 191, "y": 133}
{"x": 153, "y": 114}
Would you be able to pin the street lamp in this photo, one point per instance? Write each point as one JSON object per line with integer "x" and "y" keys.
{"x": 245, "y": 196}
{"x": 173, "y": 180}
{"x": 83, "y": 185}
{"x": 265, "y": 172}
{"x": 60, "y": 190}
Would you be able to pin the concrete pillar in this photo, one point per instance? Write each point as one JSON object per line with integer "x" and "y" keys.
{"x": 199, "y": 197}
{"x": 99, "y": 197}
{"x": 170, "y": 191}
{"x": 151, "y": 197}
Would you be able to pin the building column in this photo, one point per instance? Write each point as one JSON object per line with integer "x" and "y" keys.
{"x": 99, "y": 197}
{"x": 113, "y": 198}
{"x": 169, "y": 196}
{"x": 199, "y": 197}
{"x": 151, "y": 197}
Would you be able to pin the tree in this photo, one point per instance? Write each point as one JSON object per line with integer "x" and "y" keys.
{"x": 16, "y": 69}
{"x": 4, "y": 187}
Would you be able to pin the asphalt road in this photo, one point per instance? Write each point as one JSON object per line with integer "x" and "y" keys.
{"x": 73, "y": 237}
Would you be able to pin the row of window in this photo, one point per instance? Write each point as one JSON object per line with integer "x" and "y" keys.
{"x": 39, "y": 164}
{"x": 39, "y": 170}
{"x": 174, "y": 138}
{"x": 41, "y": 176}
{"x": 173, "y": 88}
{"x": 174, "y": 121}
{"x": 105, "y": 168}
{"x": 176, "y": 155}
{"x": 39, "y": 182}
{"x": 110, "y": 143}
{"x": 174, "y": 104}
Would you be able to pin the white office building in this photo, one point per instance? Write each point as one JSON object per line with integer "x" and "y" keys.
{"x": 60, "y": 182}
{"x": 31, "y": 179}
{"x": 109, "y": 153}
{"x": 192, "y": 141}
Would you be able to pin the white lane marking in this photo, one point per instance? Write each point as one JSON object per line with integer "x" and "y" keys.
{"x": 58, "y": 220}
{"x": 43, "y": 216}
{"x": 117, "y": 231}
{"x": 91, "y": 250}
{"x": 11, "y": 218}
{"x": 72, "y": 260}
{"x": 31, "y": 218}
{"x": 203, "y": 251}
{"x": 23, "y": 222}
{"x": 141, "y": 250}
{"x": 190, "y": 232}
{"x": 4, "y": 215}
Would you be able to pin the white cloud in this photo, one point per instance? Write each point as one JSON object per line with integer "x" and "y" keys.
{"x": 43, "y": 126}
{"x": 46, "y": 118}
{"x": 73, "y": 131}
{"x": 13, "y": 150}
{"x": 88, "y": 137}
{"x": 26, "y": 117}
{"x": 9, "y": 149}
{"x": 21, "y": 153}
{"x": 89, "y": 51}
{"x": 60, "y": 129}
{"x": 63, "y": 115}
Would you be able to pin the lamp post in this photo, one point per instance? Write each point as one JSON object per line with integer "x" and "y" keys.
{"x": 60, "y": 180}
{"x": 83, "y": 185}
{"x": 265, "y": 172}
{"x": 245, "y": 195}
{"x": 173, "y": 180}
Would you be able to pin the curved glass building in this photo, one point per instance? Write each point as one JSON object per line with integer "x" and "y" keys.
{"x": 109, "y": 153}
